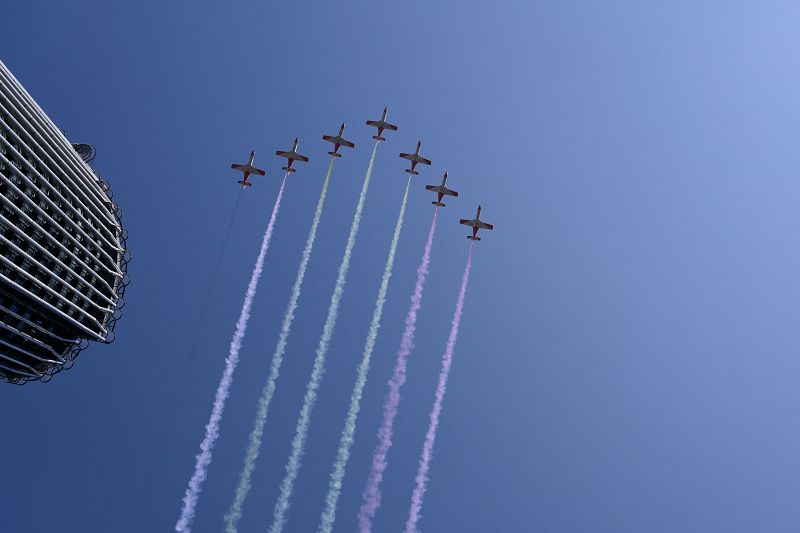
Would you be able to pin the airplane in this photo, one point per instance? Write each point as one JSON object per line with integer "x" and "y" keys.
{"x": 415, "y": 158}
{"x": 337, "y": 142}
{"x": 381, "y": 125}
{"x": 248, "y": 169}
{"x": 476, "y": 224}
{"x": 292, "y": 156}
{"x": 442, "y": 191}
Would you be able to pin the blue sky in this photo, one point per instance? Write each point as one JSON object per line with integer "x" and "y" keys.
{"x": 628, "y": 357}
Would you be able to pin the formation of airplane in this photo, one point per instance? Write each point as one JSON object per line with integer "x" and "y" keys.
{"x": 381, "y": 125}
{"x": 415, "y": 159}
{"x": 248, "y": 169}
{"x": 292, "y": 156}
{"x": 442, "y": 191}
{"x": 338, "y": 141}
{"x": 476, "y": 224}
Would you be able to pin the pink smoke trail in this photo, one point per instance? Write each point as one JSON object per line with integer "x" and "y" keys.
{"x": 203, "y": 459}
{"x": 372, "y": 493}
{"x": 430, "y": 437}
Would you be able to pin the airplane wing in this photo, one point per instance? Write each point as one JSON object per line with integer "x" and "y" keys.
{"x": 341, "y": 141}
{"x": 292, "y": 155}
{"x": 484, "y": 225}
{"x": 417, "y": 158}
{"x": 379, "y": 124}
{"x": 258, "y": 171}
{"x": 442, "y": 190}
{"x": 236, "y": 166}
{"x": 466, "y": 222}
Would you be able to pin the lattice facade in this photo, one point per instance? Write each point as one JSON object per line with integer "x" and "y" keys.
{"x": 62, "y": 247}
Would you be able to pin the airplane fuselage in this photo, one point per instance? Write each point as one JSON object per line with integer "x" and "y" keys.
{"x": 441, "y": 191}
{"x": 382, "y": 125}
{"x": 247, "y": 169}
{"x": 415, "y": 159}
{"x": 338, "y": 141}
{"x": 292, "y": 156}
{"x": 476, "y": 224}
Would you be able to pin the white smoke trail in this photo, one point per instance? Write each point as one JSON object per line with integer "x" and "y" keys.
{"x": 348, "y": 433}
{"x": 304, "y": 420}
{"x": 203, "y": 459}
{"x": 251, "y": 455}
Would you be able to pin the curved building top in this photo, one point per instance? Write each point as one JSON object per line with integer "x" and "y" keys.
{"x": 62, "y": 248}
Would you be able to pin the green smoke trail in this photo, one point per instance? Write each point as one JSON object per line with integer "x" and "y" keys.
{"x": 347, "y": 437}
{"x": 303, "y": 422}
{"x": 251, "y": 455}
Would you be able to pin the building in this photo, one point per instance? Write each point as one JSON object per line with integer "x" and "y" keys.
{"x": 63, "y": 262}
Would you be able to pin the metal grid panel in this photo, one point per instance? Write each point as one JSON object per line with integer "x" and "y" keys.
{"x": 63, "y": 262}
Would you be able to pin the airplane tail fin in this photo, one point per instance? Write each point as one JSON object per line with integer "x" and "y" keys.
{"x": 470, "y": 237}
{"x": 245, "y": 184}
{"x": 440, "y": 204}
{"x": 378, "y": 138}
{"x": 334, "y": 154}
{"x": 412, "y": 172}
{"x": 288, "y": 169}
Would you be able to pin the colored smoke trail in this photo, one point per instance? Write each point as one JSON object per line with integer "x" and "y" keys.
{"x": 251, "y": 455}
{"x": 304, "y": 420}
{"x": 203, "y": 459}
{"x": 430, "y": 437}
{"x": 372, "y": 494}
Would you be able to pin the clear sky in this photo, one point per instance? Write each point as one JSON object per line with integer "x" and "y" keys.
{"x": 629, "y": 352}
